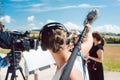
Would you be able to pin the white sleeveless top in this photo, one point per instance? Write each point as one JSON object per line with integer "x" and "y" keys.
{"x": 78, "y": 64}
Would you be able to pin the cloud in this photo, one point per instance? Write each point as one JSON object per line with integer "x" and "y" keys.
{"x": 85, "y": 5}
{"x": 18, "y": 0}
{"x": 91, "y": 6}
{"x": 108, "y": 28}
{"x": 31, "y": 18}
{"x": 24, "y": 5}
{"x": 70, "y": 26}
{"x": 37, "y": 5}
{"x": 81, "y": 6}
{"x": 38, "y": 25}
{"x": 45, "y": 8}
{"x": 33, "y": 26}
{"x": 48, "y": 21}
{"x": 6, "y": 19}
{"x": 105, "y": 28}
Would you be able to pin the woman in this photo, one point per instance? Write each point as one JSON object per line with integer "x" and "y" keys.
{"x": 53, "y": 37}
{"x": 95, "y": 57}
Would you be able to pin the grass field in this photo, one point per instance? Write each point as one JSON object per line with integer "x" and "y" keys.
{"x": 111, "y": 57}
{"x": 4, "y": 51}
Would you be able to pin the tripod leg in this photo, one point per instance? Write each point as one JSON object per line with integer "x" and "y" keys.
{"x": 13, "y": 76}
{"x": 7, "y": 74}
{"x": 22, "y": 73}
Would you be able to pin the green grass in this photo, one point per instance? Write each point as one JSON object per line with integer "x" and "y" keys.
{"x": 4, "y": 51}
{"x": 111, "y": 65}
{"x": 112, "y": 57}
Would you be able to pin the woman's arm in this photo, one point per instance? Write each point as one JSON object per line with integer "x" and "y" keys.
{"x": 100, "y": 56}
{"x": 76, "y": 74}
{"x": 88, "y": 42}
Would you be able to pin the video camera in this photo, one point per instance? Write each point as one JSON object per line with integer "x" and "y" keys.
{"x": 17, "y": 42}
{"x": 22, "y": 41}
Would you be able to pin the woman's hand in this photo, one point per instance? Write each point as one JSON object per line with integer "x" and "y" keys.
{"x": 88, "y": 27}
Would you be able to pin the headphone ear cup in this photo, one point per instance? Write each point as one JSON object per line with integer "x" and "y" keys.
{"x": 41, "y": 44}
{"x": 43, "y": 47}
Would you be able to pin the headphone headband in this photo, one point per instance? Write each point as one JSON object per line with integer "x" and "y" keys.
{"x": 53, "y": 25}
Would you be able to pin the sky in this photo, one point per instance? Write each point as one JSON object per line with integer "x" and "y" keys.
{"x": 34, "y": 14}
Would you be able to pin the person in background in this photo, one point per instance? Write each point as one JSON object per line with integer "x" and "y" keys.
{"x": 4, "y": 61}
{"x": 72, "y": 39}
{"x": 95, "y": 58}
{"x": 75, "y": 37}
{"x": 53, "y": 37}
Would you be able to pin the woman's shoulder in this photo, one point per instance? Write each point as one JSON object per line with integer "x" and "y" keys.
{"x": 100, "y": 46}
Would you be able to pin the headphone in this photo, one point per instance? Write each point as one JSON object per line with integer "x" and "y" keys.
{"x": 51, "y": 25}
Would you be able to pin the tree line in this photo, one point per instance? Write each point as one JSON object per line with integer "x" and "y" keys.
{"x": 112, "y": 38}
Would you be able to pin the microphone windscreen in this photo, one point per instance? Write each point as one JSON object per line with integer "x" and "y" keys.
{"x": 92, "y": 15}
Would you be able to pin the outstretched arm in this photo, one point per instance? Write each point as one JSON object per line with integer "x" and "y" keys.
{"x": 88, "y": 42}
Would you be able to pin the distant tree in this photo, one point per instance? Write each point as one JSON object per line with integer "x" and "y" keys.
{"x": 118, "y": 34}
{"x": 112, "y": 40}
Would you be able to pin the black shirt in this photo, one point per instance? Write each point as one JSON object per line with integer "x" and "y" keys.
{"x": 94, "y": 49}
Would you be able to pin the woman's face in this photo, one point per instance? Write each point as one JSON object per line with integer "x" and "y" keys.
{"x": 94, "y": 39}
{"x": 76, "y": 39}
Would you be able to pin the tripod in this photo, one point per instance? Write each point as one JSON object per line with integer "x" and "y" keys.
{"x": 14, "y": 57}
{"x": 14, "y": 66}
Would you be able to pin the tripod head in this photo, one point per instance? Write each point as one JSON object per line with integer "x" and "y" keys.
{"x": 11, "y": 58}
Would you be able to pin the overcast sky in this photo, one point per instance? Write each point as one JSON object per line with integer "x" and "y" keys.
{"x": 33, "y": 14}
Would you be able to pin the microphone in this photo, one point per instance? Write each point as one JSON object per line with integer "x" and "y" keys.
{"x": 92, "y": 15}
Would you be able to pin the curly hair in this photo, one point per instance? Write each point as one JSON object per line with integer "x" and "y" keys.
{"x": 54, "y": 38}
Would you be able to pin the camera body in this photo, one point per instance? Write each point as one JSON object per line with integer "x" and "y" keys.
{"x": 17, "y": 42}
{"x": 23, "y": 42}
